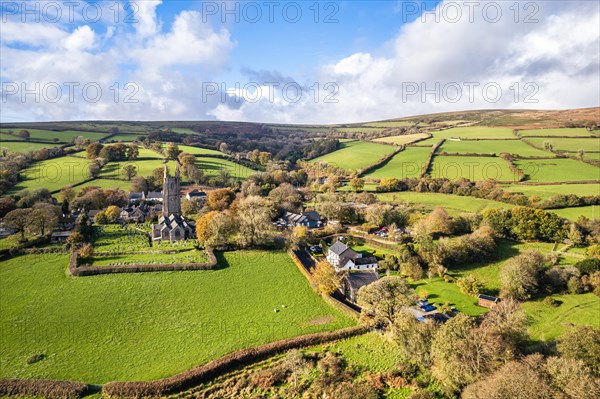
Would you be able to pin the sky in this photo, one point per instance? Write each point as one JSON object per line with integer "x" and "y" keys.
{"x": 304, "y": 62}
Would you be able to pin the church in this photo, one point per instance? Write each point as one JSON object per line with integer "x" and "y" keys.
{"x": 172, "y": 225}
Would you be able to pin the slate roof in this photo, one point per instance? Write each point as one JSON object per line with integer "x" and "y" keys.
{"x": 360, "y": 279}
{"x": 488, "y": 298}
{"x": 338, "y": 248}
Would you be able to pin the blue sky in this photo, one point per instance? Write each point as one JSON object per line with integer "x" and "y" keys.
{"x": 358, "y": 61}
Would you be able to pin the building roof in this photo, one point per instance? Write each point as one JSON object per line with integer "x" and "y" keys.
{"x": 154, "y": 195}
{"x": 360, "y": 279}
{"x": 488, "y": 298}
{"x": 367, "y": 260}
{"x": 338, "y": 248}
{"x": 312, "y": 215}
{"x": 62, "y": 234}
{"x": 135, "y": 195}
{"x": 196, "y": 193}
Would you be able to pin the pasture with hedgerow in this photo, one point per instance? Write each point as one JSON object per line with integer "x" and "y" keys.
{"x": 300, "y": 201}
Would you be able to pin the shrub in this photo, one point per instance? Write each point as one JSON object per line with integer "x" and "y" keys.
{"x": 35, "y": 358}
{"x": 588, "y": 266}
{"x": 469, "y": 285}
{"x": 549, "y": 301}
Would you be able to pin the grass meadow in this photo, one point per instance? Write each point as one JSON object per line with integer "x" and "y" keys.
{"x": 53, "y": 174}
{"x": 149, "y": 325}
{"x": 569, "y": 144}
{"x": 65, "y": 136}
{"x": 513, "y": 147}
{"x": 24, "y": 146}
{"x": 472, "y": 168}
{"x": 407, "y": 163}
{"x": 567, "y": 132}
{"x": 355, "y": 155}
{"x": 590, "y": 212}
{"x": 481, "y": 132}
{"x": 557, "y": 170}
{"x": 199, "y": 150}
{"x": 548, "y": 191}
{"x": 212, "y": 167}
{"x": 454, "y": 204}
{"x": 402, "y": 139}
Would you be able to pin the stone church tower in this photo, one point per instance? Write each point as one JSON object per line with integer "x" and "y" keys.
{"x": 171, "y": 193}
{"x": 171, "y": 225}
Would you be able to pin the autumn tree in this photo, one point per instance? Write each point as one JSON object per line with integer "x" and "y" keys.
{"x": 93, "y": 150}
{"x": 469, "y": 285}
{"x": 24, "y": 134}
{"x": 386, "y": 297}
{"x": 172, "y": 151}
{"x": 112, "y": 213}
{"x": 17, "y": 219}
{"x": 129, "y": 171}
{"x": 202, "y": 224}
{"x": 520, "y": 276}
{"x": 582, "y": 343}
{"x": 326, "y": 278}
{"x": 43, "y": 217}
{"x": 101, "y": 218}
{"x": 218, "y": 200}
{"x": 357, "y": 184}
{"x": 139, "y": 184}
{"x": 414, "y": 338}
{"x": 254, "y": 216}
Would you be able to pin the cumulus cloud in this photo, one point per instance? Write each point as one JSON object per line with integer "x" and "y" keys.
{"x": 446, "y": 65}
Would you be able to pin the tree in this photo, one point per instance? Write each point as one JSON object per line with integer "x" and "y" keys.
{"x": 264, "y": 158}
{"x": 93, "y": 150}
{"x": 218, "y": 200}
{"x": 172, "y": 151}
{"x": 294, "y": 361}
{"x": 414, "y": 338}
{"x": 581, "y": 343}
{"x": 520, "y": 275}
{"x": 389, "y": 184}
{"x": 469, "y": 285}
{"x": 297, "y": 236}
{"x": 24, "y": 134}
{"x": 112, "y": 213}
{"x": 18, "y": 220}
{"x": 129, "y": 171}
{"x": 507, "y": 322}
{"x": 101, "y": 218}
{"x": 386, "y": 297}
{"x": 223, "y": 147}
{"x": 189, "y": 208}
{"x": 254, "y": 215}
{"x": 202, "y": 226}
{"x": 286, "y": 197}
{"x": 75, "y": 240}
{"x": 438, "y": 222}
{"x": 79, "y": 142}
{"x": 86, "y": 251}
{"x": 357, "y": 184}
{"x": 220, "y": 230}
{"x": 93, "y": 169}
{"x": 326, "y": 278}
{"x": 43, "y": 217}
{"x": 139, "y": 184}
{"x": 7, "y": 204}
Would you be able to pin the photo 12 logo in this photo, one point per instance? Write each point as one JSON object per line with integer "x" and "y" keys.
{"x": 54, "y": 92}
{"x": 270, "y": 11}
{"x": 69, "y": 11}
{"x": 470, "y": 11}
{"x": 454, "y": 92}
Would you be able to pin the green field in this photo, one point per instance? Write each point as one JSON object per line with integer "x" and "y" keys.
{"x": 567, "y": 132}
{"x": 407, "y": 163}
{"x": 124, "y": 137}
{"x": 53, "y": 174}
{"x": 356, "y": 155}
{"x": 144, "y": 167}
{"x": 482, "y": 132}
{"x": 454, "y": 204}
{"x": 390, "y": 124}
{"x": 359, "y": 129}
{"x": 441, "y": 292}
{"x": 472, "y": 168}
{"x": 107, "y": 183}
{"x": 570, "y": 144}
{"x": 149, "y": 325}
{"x": 402, "y": 139}
{"x": 514, "y": 147}
{"x": 212, "y": 166}
{"x": 557, "y": 170}
{"x": 548, "y": 322}
{"x": 199, "y": 151}
{"x": 147, "y": 153}
{"x": 547, "y": 191}
{"x": 590, "y": 212}
{"x": 189, "y": 256}
{"x": 24, "y": 146}
{"x": 65, "y": 136}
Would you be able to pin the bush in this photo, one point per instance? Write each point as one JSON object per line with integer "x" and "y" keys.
{"x": 469, "y": 285}
{"x": 588, "y": 266}
{"x": 549, "y": 301}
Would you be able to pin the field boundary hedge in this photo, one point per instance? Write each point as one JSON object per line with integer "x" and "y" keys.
{"x": 427, "y": 165}
{"x": 81, "y": 271}
{"x": 225, "y": 364}
{"x": 52, "y": 389}
{"x": 382, "y": 161}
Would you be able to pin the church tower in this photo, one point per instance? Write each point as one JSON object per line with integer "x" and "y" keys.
{"x": 171, "y": 193}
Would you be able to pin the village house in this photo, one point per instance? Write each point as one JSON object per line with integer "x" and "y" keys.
{"x": 60, "y": 236}
{"x": 342, "y": 257}
{"x": 352, "y": 282}
{"x": 309, "y": 219}
{"x": 196, "y": 196}
{"x": 155, "y": 196}
{"x": 135, "y": 198}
